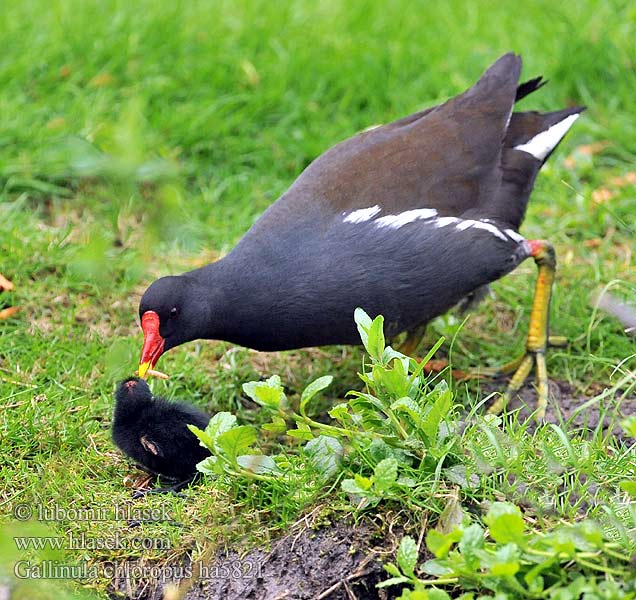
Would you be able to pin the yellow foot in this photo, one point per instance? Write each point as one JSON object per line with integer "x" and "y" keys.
{"x": 538, "y": 338}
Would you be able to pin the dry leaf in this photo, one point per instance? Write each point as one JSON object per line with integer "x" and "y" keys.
{"x": 253, "y": 78}
{"x": 56, "y": 123}
{"x": 624, "y": 180}
{"x": 592, "y": 149}
{"x": 8, "y": 312}
{"x": 602, "y": 195}
{"x": 584, "y": 150}
{"x": 101, "y": 80}
{"x": 5, "y": 284}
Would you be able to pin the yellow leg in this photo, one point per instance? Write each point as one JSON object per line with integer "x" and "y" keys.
{"x": 538, "y": 339}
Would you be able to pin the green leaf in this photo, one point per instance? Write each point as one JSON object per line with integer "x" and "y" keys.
{"x": 268, "y": 393}
{"x": 205, "y": 440}
{"x": 629, "y": 426}
{"x": 389, "y": 354}
{"x": 363, "y": 322}
{"x": 393, "y": 581}
{"x": 505, "y": 523}
{"x": 592, "y": 534}
{"x": 313, "y": 388}
{"x": 302, "y": 432}
{"x": 278, "y": 425}
{"x": 407, "y": 555}
{"x": 458, "y": 474}
{"x": 220, "y": 423}
{"x": 391, "y": 569}
{"x": 340, "y": 412}
{"x": 210, "y": 466}
{"x": 325, "y": 453}
{"x": 418, "y": 594}
{"x": 436, "y": 594}
{"x": 472, "y": 539}
{"x": 385, "y": 474}
{"x": 439, "y": 543}
{"x": 408, "y": 406}
{"x": 375, "y": 342}
{"x": 562, "y": 543}
{"x": 437, "y": 567}
{"x": 258, "y": 463}
{"x": 395, "y": 379}
{"x": 506, "y": 561}
{"x": 357, "y": 487}
{"x": 435, "y": 414}
{"x": 363, "y": 483}
{"x": 422, "y": 363}
{"x": 236, "y": 440}
{"x": 628, "y": 486}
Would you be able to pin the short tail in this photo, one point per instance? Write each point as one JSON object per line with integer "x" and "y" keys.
{"x": 538, "y": 134}
{"x": 530, "y": 140}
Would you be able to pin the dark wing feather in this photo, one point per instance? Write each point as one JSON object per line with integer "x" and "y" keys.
{"x": 445, "y": 157}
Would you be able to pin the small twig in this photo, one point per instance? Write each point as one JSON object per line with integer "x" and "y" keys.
{"x": 350, "y": 593}
{"x": 359, "y": 572}
{"x": 14, "y": 382}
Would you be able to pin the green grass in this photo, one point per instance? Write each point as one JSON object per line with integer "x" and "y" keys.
{"x": 137, "y": 139}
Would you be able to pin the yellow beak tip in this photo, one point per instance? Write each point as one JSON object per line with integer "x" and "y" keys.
{"x": 143, "y": 370}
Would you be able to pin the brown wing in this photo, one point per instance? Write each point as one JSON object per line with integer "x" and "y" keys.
{"x": 444, "y": 158}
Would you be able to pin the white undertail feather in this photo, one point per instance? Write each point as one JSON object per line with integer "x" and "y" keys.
{"x": 543, "y": 143}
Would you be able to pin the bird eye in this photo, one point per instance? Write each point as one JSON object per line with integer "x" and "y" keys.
{"x": 173, "y": 311}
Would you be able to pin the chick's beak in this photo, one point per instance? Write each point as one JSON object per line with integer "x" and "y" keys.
{"x": 153, "y": 342}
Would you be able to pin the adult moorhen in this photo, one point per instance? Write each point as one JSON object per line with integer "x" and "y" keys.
{"x": 404, "y": 220}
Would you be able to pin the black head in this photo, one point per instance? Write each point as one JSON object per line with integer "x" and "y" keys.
{"x": 133, "y": 389}
{"x": 173, "y": 310}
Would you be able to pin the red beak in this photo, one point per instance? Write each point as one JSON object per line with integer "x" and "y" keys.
{"x": 153, "y": 342}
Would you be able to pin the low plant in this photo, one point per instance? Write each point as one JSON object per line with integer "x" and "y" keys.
{"x": 393, "y": 433}
{"x": 510, "y": 560}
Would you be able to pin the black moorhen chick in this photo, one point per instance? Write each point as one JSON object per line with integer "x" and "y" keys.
{"x": 154, "y": 432}
{"x": 404, "y": 220}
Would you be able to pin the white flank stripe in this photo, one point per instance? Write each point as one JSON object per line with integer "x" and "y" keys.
{"x": 468, "y": 223}
{"x": 443, "y": 221}
{"x": 408, "y": 216}
{"x": 361, "y": 215}
{"x": 494, "y": 230}
{"x": 542, "y": 144}
{"x": 512, "y": 234}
